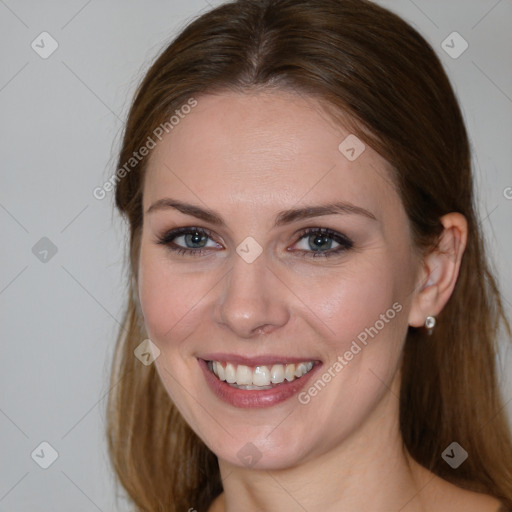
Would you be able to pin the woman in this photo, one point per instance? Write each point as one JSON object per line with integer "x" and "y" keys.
{"x": 306, "y": 261}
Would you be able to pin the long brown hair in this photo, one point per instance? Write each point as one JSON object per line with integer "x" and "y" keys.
{"x": 367, "y": 64}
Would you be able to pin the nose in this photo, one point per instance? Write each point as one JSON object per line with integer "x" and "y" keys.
{"x": 253, "y": 299}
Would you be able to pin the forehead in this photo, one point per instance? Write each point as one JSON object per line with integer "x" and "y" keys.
{"x": 261, "y": 149}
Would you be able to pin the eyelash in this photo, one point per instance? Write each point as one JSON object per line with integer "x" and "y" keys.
{"x": 345, "y": 243}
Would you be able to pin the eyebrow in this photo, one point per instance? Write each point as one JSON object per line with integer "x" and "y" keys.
{"x": 282, "y": 218}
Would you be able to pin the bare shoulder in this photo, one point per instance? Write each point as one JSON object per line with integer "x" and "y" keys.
{"x": 468, "y": 501}
{"x": 441, "y": 495}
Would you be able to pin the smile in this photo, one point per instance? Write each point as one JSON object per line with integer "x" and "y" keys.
{"x": 260, "y": 377}
{"x": 256, "y": 382}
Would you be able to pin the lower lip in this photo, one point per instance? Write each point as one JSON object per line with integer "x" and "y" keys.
{"x": 254, "y": 398}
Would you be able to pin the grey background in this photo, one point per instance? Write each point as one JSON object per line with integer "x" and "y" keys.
{"x": 60, "y": 124}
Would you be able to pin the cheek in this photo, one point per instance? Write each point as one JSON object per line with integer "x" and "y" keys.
{"x": 156, "y": 304}
{"x": 345, "y": 303}
{"x": 168, "y": 297}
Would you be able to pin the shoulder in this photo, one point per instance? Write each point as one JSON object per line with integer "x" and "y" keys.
{"x": 455, "y": 499}
{"x": 440, "y": 495}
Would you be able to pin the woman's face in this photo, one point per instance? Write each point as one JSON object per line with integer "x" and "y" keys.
{"x": 297, "y": 250}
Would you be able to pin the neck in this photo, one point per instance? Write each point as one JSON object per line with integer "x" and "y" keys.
{"x": 370, "y": 470}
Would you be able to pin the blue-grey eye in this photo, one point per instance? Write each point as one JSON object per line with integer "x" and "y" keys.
{"x": 195, "y": 240}
{"x": 314, "y": 242}
{"x": 188, "y": 239}
{"x": 317, "y": 242}
{"x": 320, "y": 242}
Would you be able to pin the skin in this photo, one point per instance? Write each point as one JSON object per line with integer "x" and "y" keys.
{"x": 248, "y": 157}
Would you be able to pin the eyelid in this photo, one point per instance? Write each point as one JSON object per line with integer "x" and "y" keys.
{"x": 345, "y": 243}
{"x": 325, "y": 231}
{"x": 168, "y": 236}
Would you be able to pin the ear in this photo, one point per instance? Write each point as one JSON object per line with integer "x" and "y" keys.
{"x": 439, "y": 270}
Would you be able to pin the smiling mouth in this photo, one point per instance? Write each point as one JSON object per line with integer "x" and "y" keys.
{"x": 240, "y": 376}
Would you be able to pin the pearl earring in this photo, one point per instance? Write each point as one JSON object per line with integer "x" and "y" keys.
{"x": 430, "y": 323}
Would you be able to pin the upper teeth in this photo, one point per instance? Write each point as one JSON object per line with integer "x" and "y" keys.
{"x": 248, "y": 377}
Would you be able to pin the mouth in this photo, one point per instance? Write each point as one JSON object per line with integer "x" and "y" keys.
{"x": 263, "y": 377}
{"x": 252, "y": 383}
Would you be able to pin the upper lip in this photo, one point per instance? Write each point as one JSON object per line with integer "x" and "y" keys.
{"x": 263, "y": 360}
